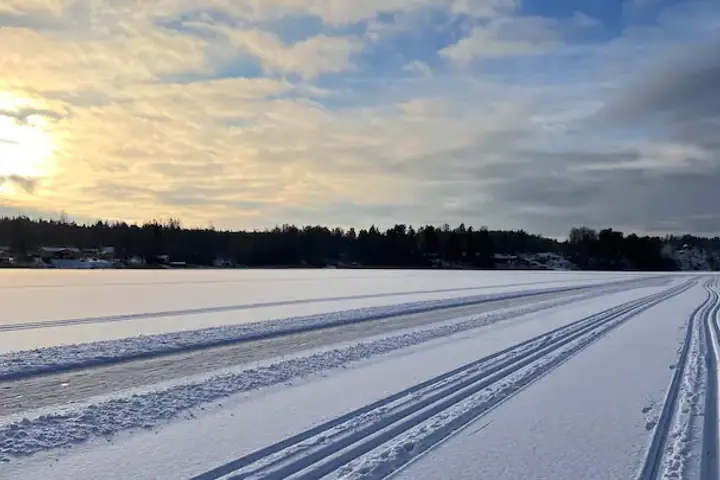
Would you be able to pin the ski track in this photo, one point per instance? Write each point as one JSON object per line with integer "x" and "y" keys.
{"x": 267, "y": 280}
{"x": 62, "y": 428}
{"x": 62, "y": 358}
{"x": 374, "y": 441}
{"x": 253, "y": 306}
{"x": 41, "y": 391}
{"x": 685, "y": 441}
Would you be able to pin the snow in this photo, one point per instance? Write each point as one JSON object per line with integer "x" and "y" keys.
{"x": 569, "y": 385}
{"x": 79, "y": 294}
{"x": 683, "y": 446}
{"x": 591, "y": 419}
{"x": 241, "y": 424}
{"x": 147, "y": 409}
{"x": 110, "y": 305}
{"x": 21, "y": 363}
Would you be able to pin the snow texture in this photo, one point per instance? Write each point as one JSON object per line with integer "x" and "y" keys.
{"x": 146, "y": 410}
{"x": 592, "y": 418}
{"x": 19, "y": 364}
{"x": 371, "y": 443}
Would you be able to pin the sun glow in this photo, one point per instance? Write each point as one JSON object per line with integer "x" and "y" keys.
{"x": 26, "y": 144}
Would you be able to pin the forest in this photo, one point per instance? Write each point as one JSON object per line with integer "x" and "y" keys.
{"x": 401, "y": 246}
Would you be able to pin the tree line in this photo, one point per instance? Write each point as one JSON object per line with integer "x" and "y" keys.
{"x": 314, "y": 246}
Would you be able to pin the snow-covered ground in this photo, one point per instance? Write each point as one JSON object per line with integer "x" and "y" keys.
{"x": 360, "y": 374}
{"x": 115, "y": 304}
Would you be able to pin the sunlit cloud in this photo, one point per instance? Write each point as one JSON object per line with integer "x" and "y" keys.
{"x": 246, "y": 113}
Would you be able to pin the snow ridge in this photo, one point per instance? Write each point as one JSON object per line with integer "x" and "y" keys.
{"x": 63, "y": 428}
{"x": 62, "y": 358}
{"x": 692, "y": 394}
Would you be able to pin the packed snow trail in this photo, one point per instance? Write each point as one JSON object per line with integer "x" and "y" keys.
{"x": 42, "y": 429}
{"x": 245, "y": 306}
{"x": 685, "y": 442}
{"x": 64, "y": 358}
{"x": 394, "y": 430}
{"x": 43, "y": 390}
{"x": 13, "y": 324}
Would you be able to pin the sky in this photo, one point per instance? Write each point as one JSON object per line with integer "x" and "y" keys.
{"x": 515, "y": 114}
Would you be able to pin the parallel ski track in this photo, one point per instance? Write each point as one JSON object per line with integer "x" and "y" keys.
{"x": 704, "y": 325}
{"x": 12, "y": 372}
{"x": 324, "y": 449}
{"x": 413, "y": 307}
{"x": 710, "y": 466}
{"x": 168, "y": 344}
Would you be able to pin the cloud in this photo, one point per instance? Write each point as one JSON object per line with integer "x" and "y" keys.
{"x": 680, "y": 89}
{"x": 28, "y": 184}
{"x": 308, "y": 58}
{"x": 127, "y": 57}
{"x": 340, "y": 12}
{"x": 503, "y": 37}
{"x": 418, "y": 68}
{"x": 678, "y": 96}
{"x": 483, "y": 8}
{"x": 26, "y": 116}
{"x": 249, "y": 114}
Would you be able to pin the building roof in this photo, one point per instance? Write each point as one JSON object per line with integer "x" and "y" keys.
{"x": 59, "y": 249}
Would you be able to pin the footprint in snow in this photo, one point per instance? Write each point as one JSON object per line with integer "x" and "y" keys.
{"x": 650, "y": 425}
{"x": 647, "y": 409}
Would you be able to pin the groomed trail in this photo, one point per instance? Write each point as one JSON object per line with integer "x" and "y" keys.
{"x": 392, "y": 431}
{"x": 38, "y": 378}
{"x": 685, "y": 443}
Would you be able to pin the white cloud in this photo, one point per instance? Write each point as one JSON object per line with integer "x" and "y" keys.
{"x": 308, "y": 58}
{"x": 29, "y": 6}
{"x": 483, "y": 8}
{"x": 339, "y": 12}
{"x": 242, "y": 152}
{"x": 332, "y": 12}
{"x": 505, "y": 36}
{"x": 418, "y": 68}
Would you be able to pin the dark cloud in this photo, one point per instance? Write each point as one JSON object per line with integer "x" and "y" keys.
{"x": 630, "y": 198}
{"x": 676, "y": 102}
{"x": 678, "y": 90}
{"x": 22, "y": 115}
{"x": 26, "y": 183}
{"x": 551, "y": 191}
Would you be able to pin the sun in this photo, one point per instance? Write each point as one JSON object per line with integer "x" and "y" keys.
{"x": 26, "y": 143}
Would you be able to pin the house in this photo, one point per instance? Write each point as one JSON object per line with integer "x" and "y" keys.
{"x": 47, "y": 254}
{"x": 222, "y": 262}
{"x": 70, "y": 257}
{"x": 106, "y": 253}
{"x": 505, "y": 261}
{"x": 135, "y": 261}
{"x": 6, "y": 258}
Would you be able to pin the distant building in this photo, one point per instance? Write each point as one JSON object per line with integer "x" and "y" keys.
{"x": 135, "y": 261}
{"x": 6, "y": 258}
{"x": 504, "y": 261}
{"x": 222, "y": 262}
{"x": 48, "y": 254}
{"x": 71, "y": 257}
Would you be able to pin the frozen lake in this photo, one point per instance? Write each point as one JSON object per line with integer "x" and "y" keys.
{"x": 121, "y": 303}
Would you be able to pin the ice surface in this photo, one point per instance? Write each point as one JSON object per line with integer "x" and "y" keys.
{"x": 123, "y": 304}
{"x": 599, "y": 407}
{"x": 21, "y": 363}
{"x": 242, "y": 424}
{"x": 591, "y": 419}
